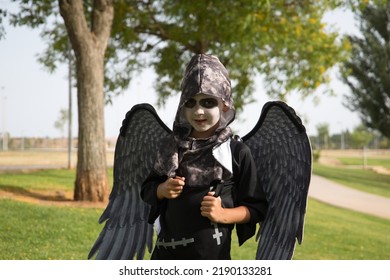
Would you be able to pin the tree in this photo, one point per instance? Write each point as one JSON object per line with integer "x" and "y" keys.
{"x": 367, "y": 70}
{"x": 3, "y": 14}
{"x": 62, "y": 120}
{"x": 285, "y": 41}
{"x": 89, "y": 42}
{"x": 323, "y": 135}
{"x": 88, "y": 27}
{"x": 361, "y": 136}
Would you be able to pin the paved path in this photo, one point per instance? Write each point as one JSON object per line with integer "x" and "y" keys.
{"x": 335, "y": 194}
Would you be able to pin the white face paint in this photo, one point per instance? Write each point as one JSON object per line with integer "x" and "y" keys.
{"x": 203, "y": 113}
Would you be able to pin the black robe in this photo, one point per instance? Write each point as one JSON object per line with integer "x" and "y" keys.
{"x": 185, "y": 234}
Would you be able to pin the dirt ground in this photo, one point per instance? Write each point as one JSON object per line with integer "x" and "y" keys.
{"x": 41, "y": 158}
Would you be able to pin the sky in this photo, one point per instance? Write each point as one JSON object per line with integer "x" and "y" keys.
{"x": 31, "y": 98}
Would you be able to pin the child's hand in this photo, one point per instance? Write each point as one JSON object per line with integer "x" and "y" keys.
{"x": 211, "y": 207}
{"x": 171, "y": 188}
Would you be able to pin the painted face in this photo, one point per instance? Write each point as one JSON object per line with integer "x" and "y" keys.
{"x": 203, "y": 113}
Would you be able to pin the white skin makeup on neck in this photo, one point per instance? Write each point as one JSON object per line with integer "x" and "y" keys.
{"x": 203, "y": 113}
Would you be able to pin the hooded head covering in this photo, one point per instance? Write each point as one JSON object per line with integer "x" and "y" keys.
{"x": 192, "y": 158}
{"x": 204, "y": 74}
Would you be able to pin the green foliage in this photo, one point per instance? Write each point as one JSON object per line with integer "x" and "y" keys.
{"x": 62, "y": 120}
{"x": 361, "y": 136}
{"x": 285, "y": 42}
{"x": 3, "y": 14}
{"x": 366, "y": 72}
{"x": 316, "y": 155}
{"x": 44, "y": 15}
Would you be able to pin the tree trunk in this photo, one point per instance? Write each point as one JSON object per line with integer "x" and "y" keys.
{"x": 91, "y": 178}
{"x": 89, "y": 45}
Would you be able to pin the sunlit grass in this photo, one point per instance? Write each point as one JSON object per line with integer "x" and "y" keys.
{"x": 29, "y": 231}
{"x": 51, "y": 179}
{"x": 364, "y": 180}
{"x": 32, "y": 232}
{"x": 385, "y": 162}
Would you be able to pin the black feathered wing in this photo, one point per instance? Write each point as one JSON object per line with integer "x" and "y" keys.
{"x": 282, "y": 152}
{"x": 126, "y": 233}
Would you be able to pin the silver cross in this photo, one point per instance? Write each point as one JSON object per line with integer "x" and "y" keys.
{"x": 217, "y": 235}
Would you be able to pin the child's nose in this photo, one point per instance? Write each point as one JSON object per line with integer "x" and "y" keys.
{"x": 198, "y": 109}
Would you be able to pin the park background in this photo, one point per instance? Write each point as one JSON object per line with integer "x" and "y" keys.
{"x": 40, "y": 220}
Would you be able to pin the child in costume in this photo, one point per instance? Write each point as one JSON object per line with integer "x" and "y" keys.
{"x": 204, "y": 180}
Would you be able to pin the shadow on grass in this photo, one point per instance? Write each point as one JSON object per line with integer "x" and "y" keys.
{"x": 47, "y": 195}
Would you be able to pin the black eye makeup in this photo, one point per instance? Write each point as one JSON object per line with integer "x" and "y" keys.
{"x": 205, "y": 102}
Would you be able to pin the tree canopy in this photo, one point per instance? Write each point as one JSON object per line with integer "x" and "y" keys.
{"x": 285, "y": 42}
{"x": 367, "y": 70}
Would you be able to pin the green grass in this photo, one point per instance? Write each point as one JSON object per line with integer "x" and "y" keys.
{"x": 34, "y": 232}
{"x": 37, "y": 232}
{"x": 364, "y": 180}
{"x": 51, "y": 179}
{"x": 333, "y": 233}
{"x": 385, "y": 162}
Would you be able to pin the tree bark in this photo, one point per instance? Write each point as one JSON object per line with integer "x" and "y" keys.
{"x": 89, "y": 45}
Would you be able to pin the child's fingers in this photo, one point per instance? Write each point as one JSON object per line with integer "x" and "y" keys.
{"x": 180, "y": 178}
{"x": 176, "y": 181}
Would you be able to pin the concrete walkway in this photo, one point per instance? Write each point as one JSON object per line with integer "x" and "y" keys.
{"x": 335, "y": 194}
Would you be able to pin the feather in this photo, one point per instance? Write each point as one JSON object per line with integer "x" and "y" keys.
{"x": 282, "y": 152}
{"x": 126, "y": 233}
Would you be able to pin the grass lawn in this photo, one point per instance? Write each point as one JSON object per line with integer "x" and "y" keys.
{"x": 333, "y": 233}
{"x": 385, "y": 162}
{"x": 38, "y": 232}
{"x": 364, "y": 180}
{"x": 33, "y": 232}
{"x": 50, "y": 179}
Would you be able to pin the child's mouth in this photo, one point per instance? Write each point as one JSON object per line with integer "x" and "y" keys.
{"x": 200, "y": 122}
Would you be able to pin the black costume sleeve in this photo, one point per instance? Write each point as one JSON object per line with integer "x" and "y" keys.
{"x": 247, "y": 192}
{"x": 149, "y": 194}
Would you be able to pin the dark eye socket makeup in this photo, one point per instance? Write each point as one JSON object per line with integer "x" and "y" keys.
{"x": 205, "y": 102}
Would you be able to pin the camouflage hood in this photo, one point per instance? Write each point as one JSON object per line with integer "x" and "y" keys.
{"x": 193, "y": 158}
{"x": 204, "y": 74}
